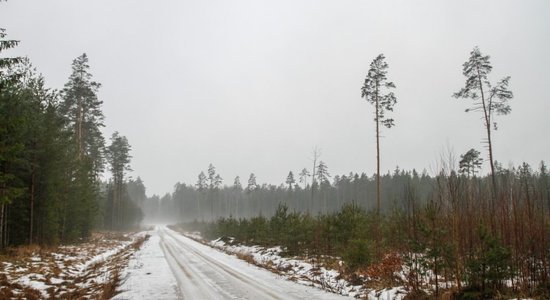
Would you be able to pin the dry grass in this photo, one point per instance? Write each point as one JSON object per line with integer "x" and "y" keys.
{"x": 60, "y": 268}
{"x": 26, "y": 251}
{"x": 246, "y": 257}
{"x": 109, "y": 289}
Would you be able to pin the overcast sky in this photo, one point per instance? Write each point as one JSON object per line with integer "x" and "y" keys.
{"x": 254, "y": 86}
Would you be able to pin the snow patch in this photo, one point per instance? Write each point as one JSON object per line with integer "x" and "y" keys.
{"x": 304, "y": 272}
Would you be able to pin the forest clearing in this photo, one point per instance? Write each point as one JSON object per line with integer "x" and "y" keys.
{"x": 274, "y": 150}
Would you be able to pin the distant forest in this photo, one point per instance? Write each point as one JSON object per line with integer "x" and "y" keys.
{"x": 209, "y": 199}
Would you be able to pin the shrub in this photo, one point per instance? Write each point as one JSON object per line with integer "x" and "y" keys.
{"x": 357, "y": 254}
{"x": 490, "y": 265}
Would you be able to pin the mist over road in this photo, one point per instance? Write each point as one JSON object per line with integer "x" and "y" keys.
{"x": 201, "y": 272}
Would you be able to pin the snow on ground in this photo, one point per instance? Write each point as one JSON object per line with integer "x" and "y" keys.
{"x": 301, "y": 271}
{"x": 74, "y": 271}
{"x": 172, "y": 266}
{"x": 148, "y": 275}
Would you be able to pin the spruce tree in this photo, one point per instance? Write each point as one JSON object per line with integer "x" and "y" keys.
{"x": 322, "y": 173}
{"x": 7, "y": 62}
{"x": 10, "y": 147}
{"x": 35, "y": 98}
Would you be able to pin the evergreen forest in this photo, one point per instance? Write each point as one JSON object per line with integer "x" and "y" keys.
{"x": 53, "y": 156}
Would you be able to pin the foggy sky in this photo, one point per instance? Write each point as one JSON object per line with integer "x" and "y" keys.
{"x": 254, "y": 86}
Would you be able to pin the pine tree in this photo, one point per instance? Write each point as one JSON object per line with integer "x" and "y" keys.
{"x": 201, "y": 182}
{"x": 252, "y": 185}
{"x": 373, "y": 91}
{"x": 316, "y": 154}
{"x": 35, "y": 97}
{"x": 201, "y": 187}
{"x": 118, "y": 156}
{"x": 10, "y": 147}
{"x": 290, "y": 180}
{"x": 211, "y": 187}
{"x": 488, "y": 99}
{"x": 82, "y": 109}
{"x": 54, "y": 161}
{"x": 324, "y": 184}
{"x": 218, "y": 180}
{"x": 304, "y": 174}
{"x": 136, "y": 191}
{"x": 237, "y": 184}
{"x": 211, "y": 176}
{"x": 469, "y": 162}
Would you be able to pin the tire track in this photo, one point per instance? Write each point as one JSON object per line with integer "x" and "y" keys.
{"x": 205, "y": 273}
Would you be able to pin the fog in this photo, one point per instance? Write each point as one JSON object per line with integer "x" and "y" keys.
{"x": 254, "y": 86}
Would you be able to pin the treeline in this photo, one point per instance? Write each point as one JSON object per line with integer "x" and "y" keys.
{"x": 52, "y": 154}
{"x": 450, "y": 231}
{"x": 209, "y": 199}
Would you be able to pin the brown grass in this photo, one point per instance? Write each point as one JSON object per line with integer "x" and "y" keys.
{"x": 109, "y": 289}
{"x": 52, "y": 267}
{"x": 246, "y": 257}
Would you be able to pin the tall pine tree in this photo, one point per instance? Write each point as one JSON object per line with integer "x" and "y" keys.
{"x": 487, "y": 99}
{"x": 373, "y": 91}
{"x": 82, "y": 110}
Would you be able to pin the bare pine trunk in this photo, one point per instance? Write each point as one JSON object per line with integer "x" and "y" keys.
{"x": 6, "y": 232}
{"x": 487, "y": 117}
{"x": 65, "y": 205}
{"x": 122, "y": 212}
{"x": 313, "y": 181}
{"x": 33, "y": 184}
{"x": 199, "y": 205}
{"x": 377, "y": 162}
{"x": 377, "y": 225}
{"x": 3, "y": 215}
{"x": 211, "y": 193}
{"x": 79, "y": 129}
{"x": 2, "y": 225}
{"x": 315, "y": 156}
{"x": 113, "y": 209}
{"x": 543, "y": 241}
